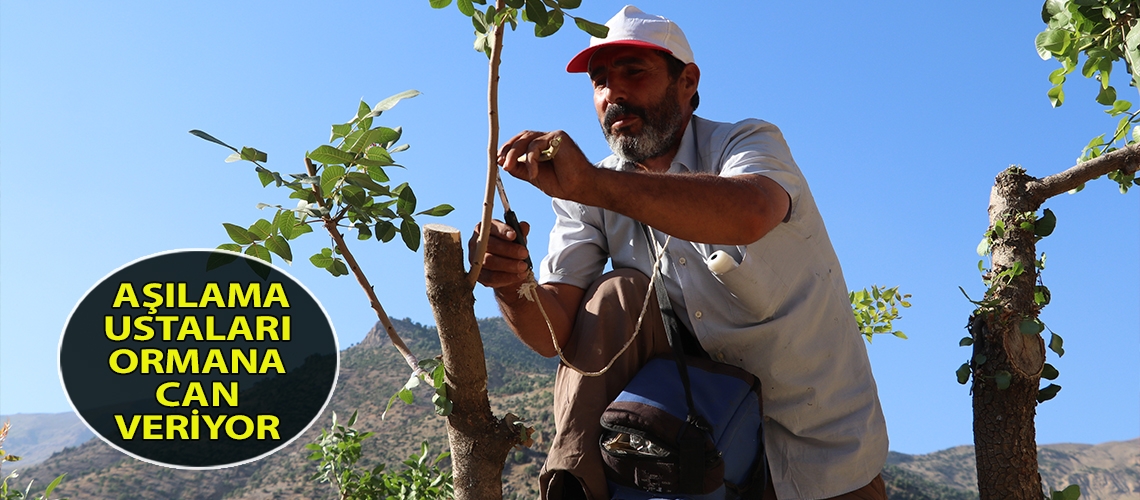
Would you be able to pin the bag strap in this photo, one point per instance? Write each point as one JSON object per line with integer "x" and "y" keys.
{"x": 693, "y": 436}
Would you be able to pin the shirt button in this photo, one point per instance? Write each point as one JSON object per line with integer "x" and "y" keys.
{"x": 720, "y": 356}
{"x": 681, "y": 260}
{"x": 698, "y": 315}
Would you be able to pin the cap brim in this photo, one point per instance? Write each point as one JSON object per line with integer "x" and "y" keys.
{"x": 581, "y": 62}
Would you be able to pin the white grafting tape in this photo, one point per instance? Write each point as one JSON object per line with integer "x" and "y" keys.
{"x": 743, "y": 285}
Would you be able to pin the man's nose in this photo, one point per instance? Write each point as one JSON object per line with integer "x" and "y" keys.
{"x": 614, "y": 92}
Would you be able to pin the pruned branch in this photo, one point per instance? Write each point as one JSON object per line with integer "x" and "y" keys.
{"x": 338, "y": 239}
{"x": 492, "y": 149}
{"x": 1126, "y": 159}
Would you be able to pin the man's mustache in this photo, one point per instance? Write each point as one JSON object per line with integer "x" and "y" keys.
{"x": 613, "y": 111}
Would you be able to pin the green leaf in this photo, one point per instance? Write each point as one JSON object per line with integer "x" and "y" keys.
{"x": 515, "y": 4}
{"x": 438, "y": 210}
{"x": 406, "y": 395}
{"x": 363, "y": 180}
{"x": 219, "y": 259}
{"x": 443, "y": 405}
{"x": 259, "y": 251}
{"x": 1072, "y": 492}
{"x": 330, "y": 177}
{"x": 261, "y": 229}
{"x": 340, "y": 131}
{"x": 1107, "y": 97}
{"x": 51, "y": 486}
{"x": 1048, "y": 393}
{"x": 361, "y": 112}
{"x": 385, "y": 136}
{"x": 1057, "y": 77}
{"x": 553, "y": 24}
{"x": 1031, "y": 326}
{"x": 322, "y": 260}
{"x": 536, "y": 12}
{"x": 385, "y": 231}
{"x": 284, "y": 222}
{"x": 250, "y": 154}
{"x": 465, "y": 7}
{"x": 265, "y": 177}
{"x": 353, "y": 195}
{"x": 1056, "y": 344}
{"x": 439, "y": 4}
{"x": 1050, "y": 42}
{"x": 1056, "y": 96}
{"x": 410, "y": 232}
{"x": 329, "y": 155}
{"x": 1046, "y": 224}
{"x": 1048, "y": 372}
{"x": 480, "y": 28}
{"x": 280, "y": 246}
{"x": 438, "y": 375}
{"x": 238, "y": 234}
{"x": 338, "y": 268}
{"x": 377, "y": 174}
{"x": 379, "y": 154}
{"x": 1003, "y": 378}
{"x": 391, "y": 102}
{"x": 569, "y": 4}
{"x": 983, "y": 249}
{"x": 966, "y": 341}
{"x": 594, "y": 29}
{"x": 212, "y": 139}
{"x": 963, "y": 373}
{"x": 407, "y": 202}
{"x": 363, "y": 231}
{"x": 300, "y": 229}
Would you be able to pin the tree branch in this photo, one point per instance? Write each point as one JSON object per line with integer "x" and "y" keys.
{"x": 1126, "y": 159}
{"x": 338, "y": 239}
{"x": 492, "y": 149}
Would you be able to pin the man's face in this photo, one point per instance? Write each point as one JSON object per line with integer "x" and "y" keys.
{"x": 636, "y": 102}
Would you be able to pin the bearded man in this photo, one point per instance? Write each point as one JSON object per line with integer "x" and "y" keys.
{"x": 708, "y": 187}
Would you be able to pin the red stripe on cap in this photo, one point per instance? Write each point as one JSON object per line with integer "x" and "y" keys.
{"x": 580, "y": 63}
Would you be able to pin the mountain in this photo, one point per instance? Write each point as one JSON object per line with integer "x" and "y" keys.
{"x": 519, "y": 382}
{"x": 1104, "y": 471}
{"x": 35, "y": 436}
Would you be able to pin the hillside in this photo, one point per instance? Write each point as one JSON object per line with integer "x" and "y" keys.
{"x": 1104, "y": 471}
{"x": 370, "y": 373}
{"x": 520, "y": 383}
{"x": 35, "y": 436}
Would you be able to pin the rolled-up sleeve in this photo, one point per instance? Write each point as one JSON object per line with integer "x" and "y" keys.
{"x": 578, "y": 247}
{"x": 758, "y": 147}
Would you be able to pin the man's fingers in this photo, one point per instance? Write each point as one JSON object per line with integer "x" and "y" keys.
{"x": 501, "y": 244}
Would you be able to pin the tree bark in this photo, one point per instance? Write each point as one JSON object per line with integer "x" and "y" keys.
{"x": 479, "y": 441}
{"x": 1004, "y": 433}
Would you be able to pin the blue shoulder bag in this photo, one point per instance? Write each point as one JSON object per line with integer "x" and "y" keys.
{"x": 685, "y": 427}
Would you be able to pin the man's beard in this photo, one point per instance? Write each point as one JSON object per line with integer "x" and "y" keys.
{"x": 660, "y": 126}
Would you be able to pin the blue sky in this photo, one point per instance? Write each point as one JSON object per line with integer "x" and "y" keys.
{"x": 900, "y": 114}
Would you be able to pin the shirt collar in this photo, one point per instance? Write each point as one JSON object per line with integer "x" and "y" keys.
{"x": 686, "y": 158}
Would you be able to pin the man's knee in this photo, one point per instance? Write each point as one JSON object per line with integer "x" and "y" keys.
{"x": 620, "y": 284}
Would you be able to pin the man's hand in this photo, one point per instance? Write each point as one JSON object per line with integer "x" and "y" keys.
{"x": 567, "y": 175}
{"x": 503, "y": 265}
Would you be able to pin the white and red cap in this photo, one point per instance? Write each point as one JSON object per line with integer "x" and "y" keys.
{"x": 632, "y": 27}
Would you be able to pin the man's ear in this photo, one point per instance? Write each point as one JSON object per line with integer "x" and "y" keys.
{"x": 687, "y": 82}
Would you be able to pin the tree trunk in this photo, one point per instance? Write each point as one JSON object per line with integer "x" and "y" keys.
{"x": 479, "y": 440}
{"x": 1004, "y": 434}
